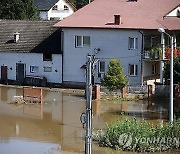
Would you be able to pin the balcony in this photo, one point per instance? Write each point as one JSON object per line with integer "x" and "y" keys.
{"x": 152, "y": 54}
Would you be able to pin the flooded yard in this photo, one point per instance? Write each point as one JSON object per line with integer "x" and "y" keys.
{"x": 53, "y": 125}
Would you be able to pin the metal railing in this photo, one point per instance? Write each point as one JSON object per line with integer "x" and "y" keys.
{"x": 137, "y": 89}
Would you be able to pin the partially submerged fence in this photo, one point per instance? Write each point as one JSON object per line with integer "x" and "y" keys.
{"x": 142, "y": 91}
{"x": 32, "y": 95}
{"x": 164, "y": 91}
{"x": 137, "y": 89}
{"x": 130, "y": 91}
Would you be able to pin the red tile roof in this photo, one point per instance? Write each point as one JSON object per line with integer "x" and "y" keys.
{"x": 143, "y": 14}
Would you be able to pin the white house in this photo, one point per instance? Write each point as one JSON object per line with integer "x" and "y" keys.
{"x": 125, "y": 30}
{"x": 30, "y": 53}
{"x": 54, "y": 9}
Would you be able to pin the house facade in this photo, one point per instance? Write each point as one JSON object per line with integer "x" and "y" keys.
{"x": 116, "y": 32}
{"x": 29, "y": 53}
{"x": 54, "y": 9}
{"x": 104, "y": 46}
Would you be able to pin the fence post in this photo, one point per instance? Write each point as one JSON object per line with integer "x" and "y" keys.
{"x": 149, "y": 91}
{"x": 96, "y": 92}
{"x": 123, "y": 90}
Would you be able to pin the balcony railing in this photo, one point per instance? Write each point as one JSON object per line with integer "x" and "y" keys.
{"x": 153, "y": 54}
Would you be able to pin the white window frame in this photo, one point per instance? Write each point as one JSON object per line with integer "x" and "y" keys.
{"x": 34, "y": 69}
{"x": 100, "y": 69}
{"x": 47, "y": 69}
{"x": 135, "y": 70}
{"x": 80, "y": 41}
{"x": 134, "y": 44}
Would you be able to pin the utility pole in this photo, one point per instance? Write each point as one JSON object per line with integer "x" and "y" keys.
{"x": 161, "y": 30}
{"x": 88, "y": 139}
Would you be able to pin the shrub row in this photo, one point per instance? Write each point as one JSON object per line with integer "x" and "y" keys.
{"x": 139, "y": 136}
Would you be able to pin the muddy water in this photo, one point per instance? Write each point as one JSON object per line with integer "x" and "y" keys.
{"x": 53, "y": 125}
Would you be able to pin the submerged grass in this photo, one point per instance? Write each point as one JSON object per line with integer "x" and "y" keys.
{"x": 139, "y": 136}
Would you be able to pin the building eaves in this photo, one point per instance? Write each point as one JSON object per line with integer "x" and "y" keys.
{"x": 143, "y": 14}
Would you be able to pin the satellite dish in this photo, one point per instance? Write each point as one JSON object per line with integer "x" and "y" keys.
{"x": 96, "y": 50}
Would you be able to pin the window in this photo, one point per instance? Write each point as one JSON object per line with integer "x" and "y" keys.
{"x": 66, "y": 7}
{"x": 34, "y": 69}
{"x": 133, "y": 43}
{"x": 82, "y": 41}
{"x": 133, "y": 70}
{"x": 55, "y": 7}
{"x": 101, "y": 67}
{"x": 47, "y": 69}
{"x": 47, "y": 57}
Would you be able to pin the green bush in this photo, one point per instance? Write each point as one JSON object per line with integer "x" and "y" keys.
{"x": 114, "y": 79}
{"x": 140, "y": 136}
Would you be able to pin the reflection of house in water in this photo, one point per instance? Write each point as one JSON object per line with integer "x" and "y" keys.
{"x": 57, "y": 118}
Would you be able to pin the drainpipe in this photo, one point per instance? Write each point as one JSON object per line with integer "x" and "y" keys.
{"x": 142, "y": 54}
{"x": 174, "y": 42}
{"x": 62, "y": 52}
{"x": 163, "y": 56}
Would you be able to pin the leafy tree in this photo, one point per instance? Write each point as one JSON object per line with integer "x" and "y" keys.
{"x": 115, "y": 79}
{"x": 18, "y": 10}
{"x": 176, "y": 68}
{"x": 81, "y": 3}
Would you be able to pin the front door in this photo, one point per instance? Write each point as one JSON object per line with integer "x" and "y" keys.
{"x": 4, "y": 73}
{"x": 20, "y": 73}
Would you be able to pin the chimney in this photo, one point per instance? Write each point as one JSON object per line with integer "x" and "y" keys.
{"x": 117, "y": 19}
{"x": 16, "y": 37}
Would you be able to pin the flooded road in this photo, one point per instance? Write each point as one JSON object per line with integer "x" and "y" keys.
{"x": 53, "y": 125}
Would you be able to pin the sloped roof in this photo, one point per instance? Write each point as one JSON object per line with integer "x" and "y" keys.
{"x": 45, "y": 5}
{"x": 143, "y": 14}
{"x": 35, "y": 36}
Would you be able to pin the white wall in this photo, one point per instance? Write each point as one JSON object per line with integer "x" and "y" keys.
{"x": 173, "y": 13}
{"x": 60, "y": 13}
{"x": 33, "y": 59}
{"x": 112, "y": 43}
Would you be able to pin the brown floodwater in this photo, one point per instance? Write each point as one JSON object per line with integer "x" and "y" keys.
{"x": 52, "y": 126}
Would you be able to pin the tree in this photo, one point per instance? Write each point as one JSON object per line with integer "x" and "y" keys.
{"x": 18, "y": 10}
{"x": 176, "y": 68}
{"x": 114, "y": 79}
{"x": 81, "y": 3}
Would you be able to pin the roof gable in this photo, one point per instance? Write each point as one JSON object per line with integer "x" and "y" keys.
{"x": 46, "y": 5}
{"x": 143, "y": 14}
{"x": 174, "y": 12}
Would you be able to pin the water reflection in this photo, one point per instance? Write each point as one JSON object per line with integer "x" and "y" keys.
{"x": 53, "y": 126}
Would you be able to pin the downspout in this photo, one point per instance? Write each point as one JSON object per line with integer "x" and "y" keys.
{"x": 142, "y": 53}
{"x": 163, "y": 56}
{"x": 62, "y": 52}
{"x": 175, "y": 40}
